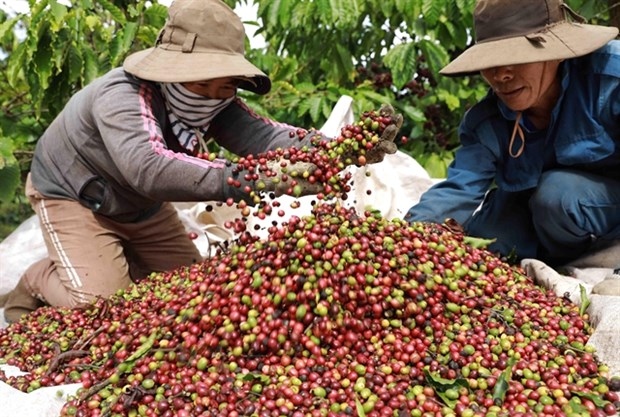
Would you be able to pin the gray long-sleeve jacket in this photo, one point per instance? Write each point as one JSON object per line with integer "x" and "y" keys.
{"x": 112, "y": 149}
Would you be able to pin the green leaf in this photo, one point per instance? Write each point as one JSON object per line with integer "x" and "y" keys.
{"x": 61, "y": 42}
{"x": 156, "y": 15}
{"x": 86, "y": 4}
{"x": 449, "y": 30}
{"x": 305, "y": 88}
{"x": 414, "y": 114}
{"x": 129, "y": 33}
{"x": 326, "y": 109}
{"x": 465, "y": 5}
{"x": 436, "y": 56}
{"x": 91, "y": 65}
{"x": 359, "y": 408}
{"x": 114, "y": 11}
{"x": 452, "y": 101}
{"x": 6, "y": 151}
{"x": 435, "y": 166}
{"x": 58, "y": 13}
{"x": 441, "y": 386}
{"x": 278, "y": 13}
{"x": 9, "y": 180}
{"x": 8, "y": 25}
{"x": 115, "y": 49}
{"x": 344, "y": 13}
{"x": 408, "y": 7}
{"x": 323, "y": 11}
{"x": 38, "y": 7}
{"x": 310, "y": 105}
{"x": 342, "y": 62}
{"x": 374, "y": 97}
{"x": 144, "y": 348}
{"x": 42, "y": 60}
{"x": 92, "y": 22}
{"x": 477, "y": 242}
{"x": 256, "y": 377}
{"x": 432, "y": 10}
{"x": 501, "y": 385}
{"x": 401, "y": 60}
{"x": 585, "y": 301}
{"x": 575, "y": 406}
{"x": 15, "y": 65}
{"x": 75, "y": 62}
{"x": 315, "y": 107}
{"x": 595, "y": 398}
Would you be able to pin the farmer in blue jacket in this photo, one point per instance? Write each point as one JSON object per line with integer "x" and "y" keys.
{"x": 538, "y": 168}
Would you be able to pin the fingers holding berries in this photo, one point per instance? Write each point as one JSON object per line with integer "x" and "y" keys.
{"x": 371, "y": 138}
{"x": 320, "y": 168}
{"x": 387, "y": 110}
{"x": 383, "y": 147}
{"x": 282, "y": 176}
{"x": 391, "y": 123}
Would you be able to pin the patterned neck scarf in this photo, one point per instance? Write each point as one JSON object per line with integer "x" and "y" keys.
{"x": 190, "y": 114}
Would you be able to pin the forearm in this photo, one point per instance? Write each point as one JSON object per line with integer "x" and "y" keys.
{"x": 243, "y": 132}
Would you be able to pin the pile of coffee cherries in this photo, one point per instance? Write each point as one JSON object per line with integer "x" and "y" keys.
{"x": 337, "y": 313}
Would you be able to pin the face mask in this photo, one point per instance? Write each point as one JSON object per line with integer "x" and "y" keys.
{"x": 190, "y": 114}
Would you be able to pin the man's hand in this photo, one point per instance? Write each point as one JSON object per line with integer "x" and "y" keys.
{"x": 284, "y": 177}
{"x": 385, "y": 143}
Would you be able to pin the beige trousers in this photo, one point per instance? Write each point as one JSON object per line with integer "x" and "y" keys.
{"x": 91, "y": 255}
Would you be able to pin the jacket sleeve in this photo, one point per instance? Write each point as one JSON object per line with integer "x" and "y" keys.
{"x": 131, "y": 121}
{"x": 243, "y": 132}
{"x": 469, "y": 177}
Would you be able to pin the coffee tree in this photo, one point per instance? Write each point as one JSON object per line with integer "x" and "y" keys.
{"x": 48, "y": 54}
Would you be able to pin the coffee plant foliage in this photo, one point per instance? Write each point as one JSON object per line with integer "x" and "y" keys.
{"x": 375, "y": 51}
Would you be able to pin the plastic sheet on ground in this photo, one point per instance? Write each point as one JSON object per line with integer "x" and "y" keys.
{"x": 581, "y": 282}
{"x": 44, "y": 402}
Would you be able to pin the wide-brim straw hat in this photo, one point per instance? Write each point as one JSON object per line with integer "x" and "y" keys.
{"x": 510, "y": 32}
{"x": 201, "y": 40}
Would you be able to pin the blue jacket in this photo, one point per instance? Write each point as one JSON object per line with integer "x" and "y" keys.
{"x": 584, "y": 133}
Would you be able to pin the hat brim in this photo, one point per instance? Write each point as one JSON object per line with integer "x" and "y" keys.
{"x": 561, "y": 41}
{"x": 161, "y": 65}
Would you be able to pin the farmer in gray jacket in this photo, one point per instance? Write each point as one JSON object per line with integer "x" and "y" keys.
{"x": 105, "y": 171}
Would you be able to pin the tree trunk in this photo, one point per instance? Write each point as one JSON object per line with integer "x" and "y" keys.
{"x": 614, "y": 13}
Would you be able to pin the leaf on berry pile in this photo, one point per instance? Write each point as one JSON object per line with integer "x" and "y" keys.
{"x": 264, "y": 379}
{"x": 575, "y": 406}
{"x": 595, "y": 398}
{"x": 478, "y": 242}
{"x": 144, "y": 348}
{"x": 442, "y": 385}
{"x": 585, "y": 300}
{"x": 360, "y": 408}
{"x": 501, "y": 386}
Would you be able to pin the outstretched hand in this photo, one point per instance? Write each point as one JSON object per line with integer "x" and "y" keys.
{"x": 379, "y": 129}
{"x": 386, "y": 145}
{"x": 284, "y": 177}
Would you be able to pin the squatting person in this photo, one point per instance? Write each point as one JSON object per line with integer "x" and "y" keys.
{"x": 538, "y": 168}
